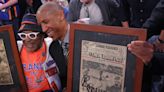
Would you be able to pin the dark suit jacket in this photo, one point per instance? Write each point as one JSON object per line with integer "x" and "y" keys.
{"x": 136, "y": 11}
{"x": 56, "y": 53}
{"x": 156, "y": 21}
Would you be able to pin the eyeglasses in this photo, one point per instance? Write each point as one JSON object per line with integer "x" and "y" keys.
{"x": 32, "y": 35}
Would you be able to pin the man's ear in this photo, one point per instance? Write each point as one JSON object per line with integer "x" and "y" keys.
{"x": 61, "y": 15}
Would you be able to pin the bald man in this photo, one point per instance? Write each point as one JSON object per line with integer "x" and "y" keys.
{"x": 51, "y": 17}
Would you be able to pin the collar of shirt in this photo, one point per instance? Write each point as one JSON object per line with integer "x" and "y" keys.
{"x": 66, "y": 38}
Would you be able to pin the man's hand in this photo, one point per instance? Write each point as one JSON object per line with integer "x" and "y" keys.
{"x": 83, "y": 21}
{"x": 142, "y": 50}
{"x": 158, "y": 47}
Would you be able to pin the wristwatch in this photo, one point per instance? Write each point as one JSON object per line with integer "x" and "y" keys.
{"x": 161, "y": 41}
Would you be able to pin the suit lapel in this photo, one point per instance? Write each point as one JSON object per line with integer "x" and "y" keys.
{"x": 56, "y": 52}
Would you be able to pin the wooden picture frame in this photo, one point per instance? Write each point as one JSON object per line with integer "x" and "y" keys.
{"x": 79, "y": 64}
{"x": 11, "y": 72}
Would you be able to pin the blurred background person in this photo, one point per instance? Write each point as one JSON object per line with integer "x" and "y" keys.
{"x": 62, "y": 3}
{"x": 153, "y": 55}
{"x": 101, "y": 12}
{"x": 9, "y": 14}
{"x": 155, "y": 23}
{"x": 32, "y": 6}
{"x": 135, "y": 12}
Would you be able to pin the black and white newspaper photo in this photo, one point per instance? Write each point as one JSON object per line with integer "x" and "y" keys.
{"x": 102, "y": 67}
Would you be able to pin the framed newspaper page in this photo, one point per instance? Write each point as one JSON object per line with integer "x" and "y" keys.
{"x": 100, "y": 62}
{"x": 11, "y": 72}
